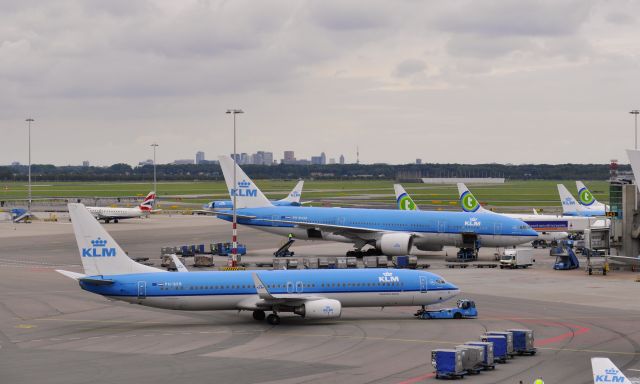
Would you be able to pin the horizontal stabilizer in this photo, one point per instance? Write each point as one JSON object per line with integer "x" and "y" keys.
{"x": 71, "y": 275}
{"x": 94, "y": 281}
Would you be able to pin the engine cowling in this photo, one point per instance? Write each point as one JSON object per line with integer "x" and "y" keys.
{"x": 395, "y": 244}
{"x": 429, "y": 247}
{"x": 319, "y": 309}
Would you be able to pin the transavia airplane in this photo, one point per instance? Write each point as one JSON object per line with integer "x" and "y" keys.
{"x": 292, "y": 200}
{"x": 108, "y": 214}
{"x": 549, "y": 227}
{"x": 605, "y": 372}
{"x": 586, "y": 205}
{"x": 391, "y": 231}
{"x": 312, "y": 294}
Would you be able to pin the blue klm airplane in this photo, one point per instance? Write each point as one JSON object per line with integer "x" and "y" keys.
{"x": 292, "y": 200}
{"x": 391, "y": 231}
{"x": 312, "y": 294}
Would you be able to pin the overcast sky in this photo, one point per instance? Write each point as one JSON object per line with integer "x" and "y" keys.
{"x": 446, "y": 81}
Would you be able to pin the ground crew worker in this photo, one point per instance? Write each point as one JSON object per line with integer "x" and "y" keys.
{"x": 290, "y": 236}
{"x": 538, "y": 381}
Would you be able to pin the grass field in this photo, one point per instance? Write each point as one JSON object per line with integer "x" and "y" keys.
{"x": 535, "y": 193}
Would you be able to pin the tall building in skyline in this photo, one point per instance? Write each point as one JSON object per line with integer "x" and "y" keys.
{"x": 199, "y": 157}
{"x": 341, "y": 159}
{"x": 289, "y": 157}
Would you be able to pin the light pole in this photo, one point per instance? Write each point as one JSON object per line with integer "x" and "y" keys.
{"x": 29, "y": 121}
{"x": 635, "y": 112}
{"x": 155, "y": 181}
{"x": 234, "y": 240}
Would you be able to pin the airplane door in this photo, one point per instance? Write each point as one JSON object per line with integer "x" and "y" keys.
{"x": 423, "y": 284}
{"x": 497, "y": 229}
{"x": 442, "y": 226}
{"x": 299, "y": 287}
{"x": 290, "y": 288}
{"x": 142, "y": 289}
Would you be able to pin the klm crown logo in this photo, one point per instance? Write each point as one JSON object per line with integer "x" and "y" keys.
{"x": 98, "y": 242}
{"x": 243, "y": 190}
{"x": 328, "y": 310}
{"x": 98, "y": 249}
{"x": 611, "y": 371}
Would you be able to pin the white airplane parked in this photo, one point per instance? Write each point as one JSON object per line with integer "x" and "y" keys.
{"x": 588, "y": 205}
{"x": 604, "y": 371}
{"x": 108, "y": 214}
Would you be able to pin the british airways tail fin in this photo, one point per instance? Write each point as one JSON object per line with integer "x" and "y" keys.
{"x": 149, "y": 202}
{"x": 100, "y": 254}
{"x": 404, "y": 201}
{"x": 604, "y": 371}
{"x": 248, "y": 195}
{"x": 468, "y": 202}
{"x": 295, "y": 194}
{"x": 569, "y": 204}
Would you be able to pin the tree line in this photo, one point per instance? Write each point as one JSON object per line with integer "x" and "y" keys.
{"x": 167, "y": 172}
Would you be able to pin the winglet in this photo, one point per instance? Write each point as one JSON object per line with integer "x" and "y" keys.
{"x": 261, "y": 288}
{"x": 179, "y": 266}
{"x": 604, "y": 371}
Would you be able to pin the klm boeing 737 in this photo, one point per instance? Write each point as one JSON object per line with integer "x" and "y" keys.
{"x": 391, "y": 231}
{"x": 292, "y": 200}
{"x": 312, "y": 294}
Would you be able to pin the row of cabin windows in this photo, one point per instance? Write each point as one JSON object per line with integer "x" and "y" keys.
{"x": 323, "y": 285}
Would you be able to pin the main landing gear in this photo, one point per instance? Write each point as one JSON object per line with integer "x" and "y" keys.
{"x": 360, "y": 253}
{"x": 272, "y": 319}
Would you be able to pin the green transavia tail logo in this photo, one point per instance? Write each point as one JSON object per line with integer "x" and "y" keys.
{"x": 405, "y": 203}
{"x": 469, "y": 202}
{"x": 586, "y": 198}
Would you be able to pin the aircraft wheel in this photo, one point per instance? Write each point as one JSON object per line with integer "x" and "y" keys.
{"x": 273, "y": 319}
{"x": 457, "y": 315}
{"x": 115, "y": 221}
{"x": 106, "y": 221}
{"x": 258, "y": 315}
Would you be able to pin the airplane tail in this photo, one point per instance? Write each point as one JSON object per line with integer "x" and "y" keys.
{"x": 100, "y": 254}
{"x": 569, "y": 204}
{"x": 587, "y": 199}
{"x": 149, "y": 202}
{"x": 468, "y": 202}
{"x": 295, "y": 194}
{"x": 248, "y": 195}
{"x": 404, "y": 201}
{"x": 604, "y": 371}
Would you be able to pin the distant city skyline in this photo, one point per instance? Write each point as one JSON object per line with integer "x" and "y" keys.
{"x": 447, "y": 82}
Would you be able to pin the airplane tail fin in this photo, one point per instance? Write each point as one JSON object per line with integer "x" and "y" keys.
{"x": 248, "y": 195}
{"x": 604, "y": 371}
{"x": 149, "y": 202}
{"x": 295, "y": 194}
{"x": 468, "y": 202}
{"x": 100, "y": 254}
{"x": 404, "y": 201}
{"x": 569, "y": 204}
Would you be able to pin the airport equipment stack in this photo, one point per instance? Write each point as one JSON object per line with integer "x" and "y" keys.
{"x": 473, "y": 357}
{"x": 565, "y": 257}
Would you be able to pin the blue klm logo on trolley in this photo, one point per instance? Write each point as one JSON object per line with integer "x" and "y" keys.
{"x": 243, "y": 190}
{"x": 610, "y": 376}
{"x": 98, "y": 249}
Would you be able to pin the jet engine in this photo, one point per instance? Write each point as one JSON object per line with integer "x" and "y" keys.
{"x": 319, "y": 309}
{"x": 429, "y": 247}
{"x": 395, "y": 244}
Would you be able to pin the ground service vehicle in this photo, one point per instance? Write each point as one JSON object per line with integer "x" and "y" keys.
{"x": 465, "y": 309}
{"x": 516, "y": 258}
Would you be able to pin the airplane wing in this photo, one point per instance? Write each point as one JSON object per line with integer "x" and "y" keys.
{"x": 625, "y": 260}
{"x": 332, "y": 228}
{"x": 179, "y": 266}
{"x": 269, "y": 299}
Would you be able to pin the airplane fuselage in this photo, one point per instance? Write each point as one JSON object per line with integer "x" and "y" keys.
{"x": 213, "y": 290}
